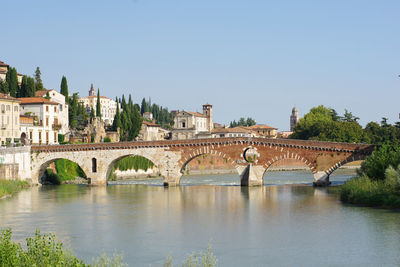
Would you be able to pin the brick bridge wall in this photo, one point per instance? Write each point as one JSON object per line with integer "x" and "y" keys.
{"x": 172, "y": 157}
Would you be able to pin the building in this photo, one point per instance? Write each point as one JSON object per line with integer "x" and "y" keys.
{"x": 59, "y": 98}
{"x": 148, "y": 116}
{"x": 294, "y": 118}
{"x": 188, "y": 125}
{"x": 107, "y": 105}
{"x": 3, "y": 72}
{"x": 263, "y": 130}
{"x": 41, "y": 120}
{"x": 9, "y": 132}
{"x": 149, "y": 131}
{"x": 233, "y": 132}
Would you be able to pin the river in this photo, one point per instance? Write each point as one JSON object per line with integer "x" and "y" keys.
{"x": 286, "y": 222}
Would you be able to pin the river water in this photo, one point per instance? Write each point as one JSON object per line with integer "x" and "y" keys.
{"x": 286, "y": 222}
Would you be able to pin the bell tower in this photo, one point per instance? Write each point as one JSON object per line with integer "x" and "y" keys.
{"x": 294, "y": 118}
{"x": 208, "y": 111}
{"x": 91, "y": 91}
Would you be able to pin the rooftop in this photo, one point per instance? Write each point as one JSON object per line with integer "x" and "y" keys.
{"x": 150, "y": 124}
{"x": 8, "y": 97}
{"x": 238, "y": 129}
{"x": 36, "y": 100}
{"x": 261, "y": 127}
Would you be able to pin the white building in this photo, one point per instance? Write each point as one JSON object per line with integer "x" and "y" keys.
{"x": 44, "y": 125}
{"x": 59, "y": 98}
{"x": 188, "y": 125}
{"x": 107, "y": 105}
{"x": 9, "y": 130}
{"x": 3, "y": 72}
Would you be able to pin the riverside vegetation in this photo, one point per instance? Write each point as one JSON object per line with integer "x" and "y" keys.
{"x": 44, "y": 250}
{"x": 378, "y": 180}
{"x": 9, "y": 187}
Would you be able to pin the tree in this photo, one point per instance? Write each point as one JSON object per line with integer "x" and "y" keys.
{"x": 98, "y": 107}
{"x": 117, "y": 119}
{"x": 64, "y": 88}
{"x": 12, "y": 81}
{"x": 3, "y": 87}
{"x": 38, "y": 79}
{"x": 23, "y": 92}
{"x": 348, "y": 116}
{"x": 31, "y": 88}
{"x": 92, "y": 116}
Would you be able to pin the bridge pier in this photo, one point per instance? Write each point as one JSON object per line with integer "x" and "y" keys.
{"x": 251, "y": 175}
{"x": 321, "y": 178}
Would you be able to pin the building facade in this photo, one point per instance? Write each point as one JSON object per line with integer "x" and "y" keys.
{"x": 62, "y": 116}
{"x": 189, "y": 125}
{"x": 44, "y": 125}
{"x": 9, "y": 131}
{"x": 263, "y": 130}
{"x": 108, "y": 107}
{"x": 3, "y": 72}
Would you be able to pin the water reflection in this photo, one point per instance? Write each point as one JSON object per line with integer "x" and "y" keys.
{"x": 246, "y": 225}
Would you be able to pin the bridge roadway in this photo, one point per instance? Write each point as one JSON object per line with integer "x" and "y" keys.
{"x": 172, "y": 156}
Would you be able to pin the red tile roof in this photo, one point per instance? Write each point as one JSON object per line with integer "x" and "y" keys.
{"x": 8, "y": 97}
{"x": 36, "y": 100}
{"x": 41, "y": 93}
{"x": 150, "y": 124}
{"x": 261, "y": 127}
{"x": 2, "y": 64}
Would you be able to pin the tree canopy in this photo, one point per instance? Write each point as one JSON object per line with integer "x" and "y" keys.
{"x": 243, "y": 122}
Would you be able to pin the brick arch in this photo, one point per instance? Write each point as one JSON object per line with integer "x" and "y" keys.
{"x": 44, "y": 165}
{"x": 349, "y": 159}
{"x": 188, "y": 156}
{"x": 115, "y": 160}
{"x": 287, "y": 154}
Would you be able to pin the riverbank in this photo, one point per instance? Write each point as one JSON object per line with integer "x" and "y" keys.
{"x": 10, "y": 187}
{"x": 371, "y": 193}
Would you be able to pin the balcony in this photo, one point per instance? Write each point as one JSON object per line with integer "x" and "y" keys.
{"x": 56, "y": 127}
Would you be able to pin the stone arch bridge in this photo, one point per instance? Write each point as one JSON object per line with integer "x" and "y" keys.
{"x": 251, "y": 157}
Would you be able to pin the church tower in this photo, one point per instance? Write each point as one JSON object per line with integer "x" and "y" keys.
{"x": 91, "y": 91}
{"x": 207, "y": 111}
{"x": 294, "y": 118}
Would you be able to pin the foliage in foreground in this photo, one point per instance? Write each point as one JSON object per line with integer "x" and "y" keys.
{"x": 8, "y": 187}
{"x": 372, "y": 192}
{"x": 201, "y": 259}
{"x": 43, "y": 250}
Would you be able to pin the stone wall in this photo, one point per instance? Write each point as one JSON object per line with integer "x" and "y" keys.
{"x": 16, "y": 163}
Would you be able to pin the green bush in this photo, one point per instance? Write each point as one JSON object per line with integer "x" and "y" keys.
{"x": 9, "y": 187}
{"x": 61, "y": 138}
{"x": 43, "y": 250}
{"x": 201, "y": 259}
{"x": 107, "y": 139}
{"x": 51, "y": 177}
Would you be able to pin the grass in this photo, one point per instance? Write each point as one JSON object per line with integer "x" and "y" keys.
{"x": 368, "y": 192}
{"x": 9, "y": 187}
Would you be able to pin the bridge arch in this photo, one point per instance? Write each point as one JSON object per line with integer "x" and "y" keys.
{"x": 45, "y": 165}
{"x": 349, "y": 159}
{"x": 111, "y": 165}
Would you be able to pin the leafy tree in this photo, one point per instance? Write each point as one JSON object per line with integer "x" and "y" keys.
{"x": 64, "y": 88}
{"x": 242, "y": 122}
{"x": 375, "y": 165}
{"x": 98, "y": 105}
{"x": 77, "y": 113}
{"x": 38, "y": 79}
{"x": 321, "y": 123}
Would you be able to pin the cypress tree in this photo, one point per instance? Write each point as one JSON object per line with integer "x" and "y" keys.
{"x": 23, "y": 92}
{"x": 38, "y": 79}
{"x": 143, "y": 106}
{"x": 92, "y": 116}
{"x": 117, "y": 120}
{"x": 98, "y": 107}
{"x": 12, "y": 80}
{"x": 30, "y": 88}
{"x": 64, "y": 88}
{"x": 3, "y": 87}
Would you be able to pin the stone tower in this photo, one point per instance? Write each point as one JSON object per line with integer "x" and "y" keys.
{"x": 91, "y": 91}
{"x": 207, "y": 110}
{"x": 294, "y": 118}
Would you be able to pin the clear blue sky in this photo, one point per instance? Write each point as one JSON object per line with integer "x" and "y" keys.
{"x": 247, "y": 58}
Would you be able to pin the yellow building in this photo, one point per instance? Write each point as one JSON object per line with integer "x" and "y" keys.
{"x": 9, "y": 119}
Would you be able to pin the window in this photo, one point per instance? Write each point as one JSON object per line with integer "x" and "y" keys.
{"x": 8, "y": 108}
{"x": 47, "y": 108}
{"x": 40, "y": 138}
{"x": 55, "y": 137}
{"x": 16, "y": 108}
{"x": 30, "y": 135}
{"x": 16, "y": 120}
{"x": 55, "y": 108}
{"x": 3, "y": 108}
{"x": 47, "y": 137}
{"x": 94, "y": 165}
{"x": 47, "y": 121}
{"x": 183, "y": 124}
